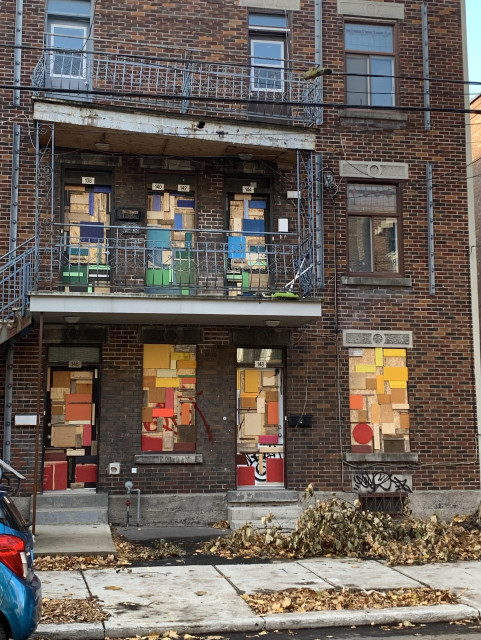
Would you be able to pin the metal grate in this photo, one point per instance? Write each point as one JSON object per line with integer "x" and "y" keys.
{"x": 391, "y": 503}
{"x": 86, "y": 355}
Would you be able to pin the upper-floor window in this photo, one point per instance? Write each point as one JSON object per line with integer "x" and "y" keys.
{"x": 268, "y": 48}
{"x": 373, "y": 228}
{"x": 68, "y": 31}
{"x": 370, "y": 57}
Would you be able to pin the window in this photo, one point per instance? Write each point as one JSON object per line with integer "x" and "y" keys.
{"x": 370, "y": 58}
{"x": 267, "y": 36}
{"x": 68, "y": 32}
{"x": 373, "y": 229}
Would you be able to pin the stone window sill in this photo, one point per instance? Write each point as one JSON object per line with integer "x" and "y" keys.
{"x": 169, "y": 458}
{"x": 376, "y": 281}
{"x": 382, "y": 457}
{"x": 375, "y": 114}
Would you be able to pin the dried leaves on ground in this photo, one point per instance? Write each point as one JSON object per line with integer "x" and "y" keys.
{"x": 338, "y": 528}
{"x": 69, "y": 610}
{"x": 127, "y": 553}
{"x": 301, "y": 600}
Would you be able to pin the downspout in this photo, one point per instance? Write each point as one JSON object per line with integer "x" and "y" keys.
{"x": 472, "y": 245}
{"x": 8, "y": 416}
{"x": 318, "y": 53}
{"x": 17, "y": 78}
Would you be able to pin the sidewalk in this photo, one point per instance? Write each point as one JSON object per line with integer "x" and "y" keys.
{"x": 206, "y": 599}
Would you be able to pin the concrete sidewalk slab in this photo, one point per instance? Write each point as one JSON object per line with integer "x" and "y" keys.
{"x": 358, "y": 574}
{"x": 460, "y": 577}
{"x": 63, "y": 584}
{"x": 140, "y": 534}
{"x": 73, "y": 540}
{"x": 280, "y": 575}
{"x": 163, "y": 598}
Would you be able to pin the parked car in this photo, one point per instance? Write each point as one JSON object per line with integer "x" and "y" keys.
{"x": 20, "y": 588}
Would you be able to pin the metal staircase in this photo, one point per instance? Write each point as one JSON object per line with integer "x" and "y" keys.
{"x": 17, "y": 279}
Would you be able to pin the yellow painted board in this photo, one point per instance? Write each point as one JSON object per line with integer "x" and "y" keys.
{"x": 167, "y": 382}
{"x": 238, "y": 378}
{"x": 365, "y": 368}
{"x": 180, "y": 355}
{"x": 395, "y": 352}
{"x": 398, "y": 384}
{"x": 379, "y": 384}
{"x": 157, "y": 356}
{"x": 379, "y": 357}
{"x": 396, "y": 373}
{"x": 251, "y": 380}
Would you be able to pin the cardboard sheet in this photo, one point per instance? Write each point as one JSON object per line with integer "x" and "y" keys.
{"x": 252, "y": 424}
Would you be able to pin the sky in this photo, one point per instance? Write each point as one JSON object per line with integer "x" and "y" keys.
{"x": 473, "y": 22}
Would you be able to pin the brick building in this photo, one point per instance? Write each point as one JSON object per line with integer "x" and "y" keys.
{"x": 235, "y": 257}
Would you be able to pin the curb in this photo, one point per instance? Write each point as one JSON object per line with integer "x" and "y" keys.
{"x": 308, "y": 620}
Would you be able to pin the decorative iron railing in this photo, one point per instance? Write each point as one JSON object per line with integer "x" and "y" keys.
{"x": 181, "y": 85}
{"x": 89, "y": 257}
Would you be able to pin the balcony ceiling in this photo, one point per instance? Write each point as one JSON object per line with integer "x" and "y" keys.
{"x": 184, "y": 310}
{"x": 81, "y": 126}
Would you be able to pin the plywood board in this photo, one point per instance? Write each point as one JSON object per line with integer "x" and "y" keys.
{"x": 83, "y": 387}
{"x": 59, "y": 393}
{"x": 269, "y": 379}
{"x": 157, "y": 356}
{"x": 247, "y": 402}
{"x": 61, "y": 379}
{"x": 168, "y": 441}
{"x": 375, "y": 413}
{"x": 147, "y": 414}
{"x": 57, "y": 409}
{"x": 357, "y": 381}
{"x": 387, "y": 414}
{"x": 252, "y": 424}
{"x": 272, "y": 395}
{"x": 371, "y": 384}
{"x": 404, "y": 420}
{"x": 261, "y": 405}
{"x": 156, "y": 395}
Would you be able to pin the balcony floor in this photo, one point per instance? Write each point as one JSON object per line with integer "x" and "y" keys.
{"x": 125, "y": 308}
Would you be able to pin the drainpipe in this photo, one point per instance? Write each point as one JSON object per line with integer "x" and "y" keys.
{"x": 318, "y": 60}
{"x": 472, "y": 248}
{"x": 7, "y": 437}
{"x": 17, "y": 59}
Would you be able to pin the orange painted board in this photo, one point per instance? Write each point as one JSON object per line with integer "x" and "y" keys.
{"x": 251, "y": 381}
{"x": 75, "y": 398}
{"x": 157, "y": 356}
{"x": 78, "y": 412}
{"x": 186, "y": 364}
{"x": 162, "y": 413}
{"x": 185, "y": 413}
{"x": 272, "y": 413}
{"x": 356, "y": 402}
{"x": 396, "y": 373}
{"x": 380, "y": 384}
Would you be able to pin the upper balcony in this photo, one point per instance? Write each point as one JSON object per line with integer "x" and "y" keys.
{"x": 181, "y": 85}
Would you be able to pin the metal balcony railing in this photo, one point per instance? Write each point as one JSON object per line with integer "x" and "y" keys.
{"x": 17, "y": 277}
{"x": 181, "y": 85}
{"x": 151, "y": 260}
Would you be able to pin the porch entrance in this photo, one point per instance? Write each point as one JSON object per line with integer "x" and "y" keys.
{"x": 260, "y": 456}
{"x": 71, "y": 434}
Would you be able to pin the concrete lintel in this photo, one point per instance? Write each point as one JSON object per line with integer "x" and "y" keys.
{"x": 167, "y": 458}
{"x": 125, "y": 308}
{"x": 170, "y": 126}
{"x": 382, "y": 457}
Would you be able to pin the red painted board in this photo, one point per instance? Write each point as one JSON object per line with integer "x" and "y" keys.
{"x": 245, "y": 476}
{"x": 268, "y": 439}
{"x": 184, "y": 446}
{"x": 60, "y": 476}
{"x": 169, "y": 398}
{"x": 86, "y": 473}
{"x": 48, "y": 476}
{"x": 78, "y": 412}
{"x": 151, "y": 443}
{"x": 55, "y": 456}
{"x": 275, "y": 469}
{"x": 162, "y": 413}
{"x": 87, "y": 435}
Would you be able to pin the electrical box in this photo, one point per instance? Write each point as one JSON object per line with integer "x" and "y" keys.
{"x": 114, "y": 468}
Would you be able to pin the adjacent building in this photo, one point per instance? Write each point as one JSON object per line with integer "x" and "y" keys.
{"x": 236, "y": 255}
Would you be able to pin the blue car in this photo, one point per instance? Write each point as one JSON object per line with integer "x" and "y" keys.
{"x": 20, "y": 588}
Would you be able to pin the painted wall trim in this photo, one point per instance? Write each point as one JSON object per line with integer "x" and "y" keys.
{"x": 366, "y": 9}
{"x": 373, "y": 170}
{"x": 288, "y": 5}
